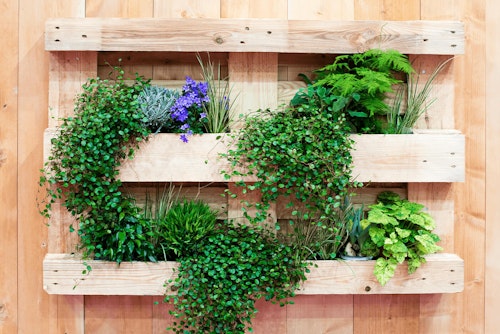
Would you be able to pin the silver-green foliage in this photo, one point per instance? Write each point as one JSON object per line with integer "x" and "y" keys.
{"x": 155, "y": 103}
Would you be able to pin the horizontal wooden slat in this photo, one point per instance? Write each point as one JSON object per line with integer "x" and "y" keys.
{"x": 62, "y": 274}
{"x": 253, "y": 35}
{"x": 423, "y": 157}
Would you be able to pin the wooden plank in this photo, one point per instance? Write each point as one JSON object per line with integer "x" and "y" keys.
{"x": 386, "y": 313}
{"x": 32, "y": 119}
{"x": 9, "y": 25}
{"x": 430, "y": 157}
{"x": 320, "y": 10}
{"x": 443, "y": 273}
{"x": 492, "y": 291}
{"x": 330, "y": 314}
{"x": 118, "y": 314}
{"x": 187, "y": 9}
{"x": 119, "y": 8}
{"x": 260, "y": 9}
{"x": 470, "y": 197}
{"x": 253, "y": 35}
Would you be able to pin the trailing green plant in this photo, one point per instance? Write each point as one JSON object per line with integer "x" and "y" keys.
{"x": 399, "y": 231}
{"x": 411, "y": 102}
{"x": 156, "y": 103}
{"x": 184, "y": 225}
{"x": 302, "y": 152}
{"x": 365, "y": 78}
{"x": 219, "y": 282}
{"x": 219, "y": 107}
{"x": 82, "y": 169}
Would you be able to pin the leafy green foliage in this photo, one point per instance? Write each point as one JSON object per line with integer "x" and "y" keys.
{"x": 184, "y": 225}
{"x": 368, "y": 76}
{"x": 302, "y": 152}
{"x": 399, "y": 231}
{"x": 232, "y": 267}
{"x": 83, "y": 166}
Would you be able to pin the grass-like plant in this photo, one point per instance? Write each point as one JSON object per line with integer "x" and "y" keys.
{"x": 218, "y": 109}
{"x": 411, "y": 102}
{"x": 399, "y": 231}
{"x": 184, "y": 225}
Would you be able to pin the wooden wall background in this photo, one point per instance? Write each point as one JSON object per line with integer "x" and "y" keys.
{"x": 26, "y": 308}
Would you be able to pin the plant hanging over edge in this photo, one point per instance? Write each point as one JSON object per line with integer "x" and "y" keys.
{"x": 82, "y": 169}
{"x": 223, "y": 275}
{"x": 302, "y": 152}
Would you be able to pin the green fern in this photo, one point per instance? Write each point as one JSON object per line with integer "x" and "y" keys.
{"x": 370, "y": 75}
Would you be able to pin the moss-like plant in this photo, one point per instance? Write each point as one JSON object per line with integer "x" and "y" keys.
{"x": 219, "y": 282}
{"x": 82, "y": 169}
{"x": 399, "y": 231}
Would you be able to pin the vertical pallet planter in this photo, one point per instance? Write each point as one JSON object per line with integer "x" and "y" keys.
{"x": 253, "y": 46}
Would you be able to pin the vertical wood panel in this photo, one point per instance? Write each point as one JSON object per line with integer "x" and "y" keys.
{"x": 276, "y": 9}
{"x": 187, "y": 9}
{"x": 492, "y": 278}
{"x": 118, "y": 314}
{"x": 119, "y": 8}
{"x": 8, "y": 167}
{"x": 320, "y": 10}
{"x": 470, "y": 119}
{"x": 320, "y": 314}
{"x": 374, "y": 314}
{"x": 329, "y": 314}
{"x": 36, "y": 307}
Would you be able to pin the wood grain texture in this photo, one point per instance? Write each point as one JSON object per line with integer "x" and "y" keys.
{"x": 386, "y": 314}
{"x": 119, "y": 8}
{"x": 253, "y": 35}
{"x": 276, "y": 9}
{"x": 432, "y": 157}
{"x": 492, "y": 162}
{"x": 320, "y": 10}
{"x": 118, "y": 314}
{"x": 33, "y": 233}
{"x": 443, "y": 273}
{"x": 470, "y": 197}
{"x": 328, "y": 314}
{"x": 8, "y": 168}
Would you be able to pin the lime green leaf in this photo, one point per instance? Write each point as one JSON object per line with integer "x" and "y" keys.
{"x": 384, "y": 270}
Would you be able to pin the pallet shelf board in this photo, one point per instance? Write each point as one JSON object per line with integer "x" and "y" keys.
{"x": 253, "y": 35}
{"x": 62, "y": 274}
{"x": 434, "y": 156}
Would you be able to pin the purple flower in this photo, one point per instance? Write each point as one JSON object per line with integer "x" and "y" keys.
{"x": 184, "y": 138}
{"x": 203, "y": 115}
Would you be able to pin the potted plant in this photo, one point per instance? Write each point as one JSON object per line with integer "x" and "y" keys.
{"x": 357, "y": 235}
{"x": 398, "y": 231}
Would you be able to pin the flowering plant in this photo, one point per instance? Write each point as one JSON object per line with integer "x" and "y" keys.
{"x": 188, "y": 109}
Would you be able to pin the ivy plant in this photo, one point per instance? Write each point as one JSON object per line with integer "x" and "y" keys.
{"x": 82, "y": 169}
{"x": 399, "y": 230}
{"x": 223, "y": 276}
